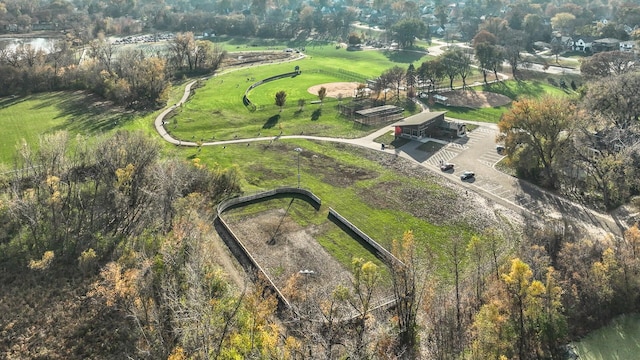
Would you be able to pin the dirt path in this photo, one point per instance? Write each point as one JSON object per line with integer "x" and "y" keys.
{"x": 228, "y": 262}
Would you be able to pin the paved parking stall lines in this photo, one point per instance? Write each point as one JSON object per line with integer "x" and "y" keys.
{"x": 456, "y": 145}
{"x": 442, "y": 156}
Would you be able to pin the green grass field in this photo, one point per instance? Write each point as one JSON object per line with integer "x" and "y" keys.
{"x": 511, "y": 88}
{"x": 28, "y": 117}
{"x": 619, "y": 340}
{"x": 216, "y": 110}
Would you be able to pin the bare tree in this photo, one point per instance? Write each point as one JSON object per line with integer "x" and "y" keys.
{"x": 409, "y": 278}
{"x": 396, "y": 76}
{"x": 103, "y": 51}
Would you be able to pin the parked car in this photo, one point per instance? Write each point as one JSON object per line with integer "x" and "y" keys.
{"x": 500, "y": 149}
{"x": 446, "y": 166}
{"x": 467, "y": 175}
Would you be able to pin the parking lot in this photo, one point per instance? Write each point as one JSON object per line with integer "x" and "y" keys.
{"x": 477, "y": 152}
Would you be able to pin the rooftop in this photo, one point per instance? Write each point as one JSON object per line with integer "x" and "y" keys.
{"x": 420, "y": 118}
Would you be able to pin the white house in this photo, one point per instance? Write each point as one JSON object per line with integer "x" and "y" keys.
{"x": 627, "y": 46}
{"x": 583, "y": 44}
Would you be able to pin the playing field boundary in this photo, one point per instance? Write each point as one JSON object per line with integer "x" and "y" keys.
{"x": 245, "y": 97}
{"x": 251, "y": 265}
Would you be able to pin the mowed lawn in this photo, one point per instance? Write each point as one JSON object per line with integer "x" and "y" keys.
{"x": 216, "y": 110}
{"x": 515, "y": 90}
{"x": 25, "y": 119}
{"x": 619, "y": 340}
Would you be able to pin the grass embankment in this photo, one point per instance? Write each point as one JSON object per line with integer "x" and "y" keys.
{"x": 514, "y": 89}
{"x": 29, "y": 117}
{"x": 371, "y": 196}
{"x": 620, "y": 340}
{"x": 550, "y": 59}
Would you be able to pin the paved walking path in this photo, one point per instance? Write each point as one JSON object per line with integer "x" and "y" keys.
{"x": 493, "y": 184}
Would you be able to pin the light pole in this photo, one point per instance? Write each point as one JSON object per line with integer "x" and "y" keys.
{"x": 298, "y": 150}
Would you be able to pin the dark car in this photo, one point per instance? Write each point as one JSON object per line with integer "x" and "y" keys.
{"x": 467, "y": 175}
{"x": 446, "y": 166}
{"x": 500, "y": 149}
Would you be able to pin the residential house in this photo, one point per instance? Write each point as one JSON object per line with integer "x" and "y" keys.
{"x": 583, "y": 43}
{"x": 565, "y": 41}
{"x": 627, "y": 46}
{"x": 437, "y": 30}
{"x": 606, "y": 44}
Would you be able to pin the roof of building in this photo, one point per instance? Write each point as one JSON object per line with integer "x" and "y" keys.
{"x": 585, "y": 39}
{"x": 420, "y": 118}
{"x": 379, "y": 110}
{"x": 607, "y": 41}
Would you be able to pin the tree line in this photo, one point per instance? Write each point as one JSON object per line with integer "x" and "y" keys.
{"x": 72, "y": 195}
{"x": 130, "y": 78}
{"x": 585, "y": 146}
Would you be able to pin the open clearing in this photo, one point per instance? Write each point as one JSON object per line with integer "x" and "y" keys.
{"x": 475, "y": 99}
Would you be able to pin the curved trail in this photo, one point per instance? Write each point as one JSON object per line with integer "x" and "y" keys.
{"x": 603, "y": 221}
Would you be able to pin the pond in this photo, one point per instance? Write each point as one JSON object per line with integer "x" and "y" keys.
{"x": 39, "y": 43}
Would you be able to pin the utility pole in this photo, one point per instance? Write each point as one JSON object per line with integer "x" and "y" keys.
{"x": 298, "y": 150}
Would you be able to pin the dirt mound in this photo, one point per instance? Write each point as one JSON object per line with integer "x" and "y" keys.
{"x": 346, "y": 89}
{"x": 475, "y": 99}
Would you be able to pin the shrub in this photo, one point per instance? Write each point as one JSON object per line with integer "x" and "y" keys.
{"x": 87, "y": 261}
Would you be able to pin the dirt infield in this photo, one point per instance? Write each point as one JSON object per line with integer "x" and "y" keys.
{"x": 466, "y": 98}
{"x": 475, "y": 99}
{"x": 284, "y": 249}
{"x": 334, "y": 89}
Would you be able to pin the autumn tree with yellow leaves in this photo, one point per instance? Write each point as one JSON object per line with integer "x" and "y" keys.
{"x": 523, "y": 319}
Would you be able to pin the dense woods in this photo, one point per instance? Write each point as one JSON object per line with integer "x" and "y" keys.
{"x": 585, "y": 147}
